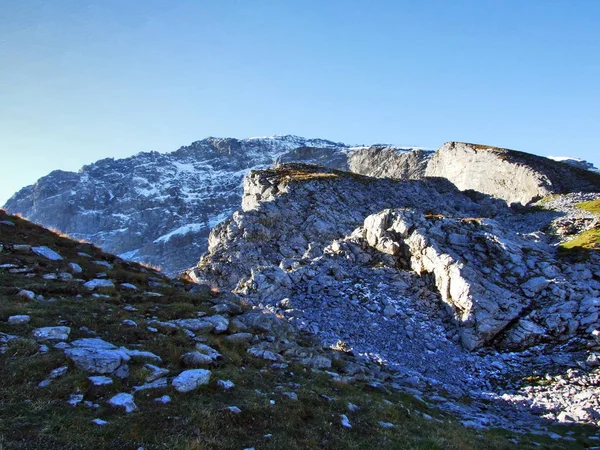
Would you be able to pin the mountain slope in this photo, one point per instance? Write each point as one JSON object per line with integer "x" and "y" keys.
{"x": 159, "y": 208}
{"x": 109, "y": 367}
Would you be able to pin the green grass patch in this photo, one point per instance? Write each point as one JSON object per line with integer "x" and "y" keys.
{"x": 593, "y": 206}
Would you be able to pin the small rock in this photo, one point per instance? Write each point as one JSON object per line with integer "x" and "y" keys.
{"x": 290, "y": 395}
{"x": 164, "y": 399}
{"x": 234, "y": 409}
{"x": 52, "y": 333}
{"x": 156, "y": 372}
{"x": 123, "y": 400}
{"x": 239, "y": 338}
{"x": 100, "y": 422}
{"x": 161, "y": 383}
{"x": 46, "y": 253}
{"x": 30, "y": 295}
{"x": 345, "y": 421}
{"x": 59, "y": 372}
{"x": 98, "y": 283}
{"x": 103, "y": 264}
{"x": 220, "y": 323}
{"x": 19, "y": 320}
{"x": 196, "y": 359}
{"x": 188, "y": 380}
{"x": 100, "y": 380}
{"x": 75, "y": 399}
{"x": 225, "y": 384}
{"x": 75, "y": 268}
{"x": 130, "y": 286}
{"x": 389, "y": 311}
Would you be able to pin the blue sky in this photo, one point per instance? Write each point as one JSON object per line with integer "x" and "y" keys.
{"x": 82, "y": 80}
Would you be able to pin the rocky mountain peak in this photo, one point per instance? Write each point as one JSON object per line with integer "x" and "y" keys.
{"x": 159, "y": 208}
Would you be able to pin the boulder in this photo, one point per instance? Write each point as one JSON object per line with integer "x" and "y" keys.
{"x": 192, "y": 379}
{"x": 52, "y": 333}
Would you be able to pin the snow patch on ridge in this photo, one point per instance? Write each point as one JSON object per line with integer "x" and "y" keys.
{"x": 181, "y": 231}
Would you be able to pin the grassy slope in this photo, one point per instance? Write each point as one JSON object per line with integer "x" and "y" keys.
{"x": 588, "y": 240}
{"x": 31, "y": 417}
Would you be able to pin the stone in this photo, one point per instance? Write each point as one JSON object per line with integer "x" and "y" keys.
{"x": 196, "y": 359}
{"x": 234, "y": 409}
{"x": 261, "y": 353}
{"x": 129, "y": 286}
{"x": 290, "y": 395}
{"x": 155, "y": 372}
{"x": 29, "y": 295}
{"x": 75, "y": 268}
{"x": 198, "y": 325}
{"x": 317, "y": 362}
{"x": 164, "y": 399}
{"x": 75, "y": 399}
{"x": 192, "y": 379}
{"x": 98, "y": 283}
{"x": 123, "y": 400}
{"x": 220, "y": 323}
{"x": 100, "y": 380}
{"x": 345, "y": 422}
{"x": 52, "y": 333}
{"x": 535, "y": 285}
{"x": 56, "y": 373}
{"x": 19, "y": 320}
{"x": 160, "y": 383}
{"x": 46, "y": 253}
{"x": 209, "y": 351}
{"x": 100, "y": 422}
{"x": 94, "y": 355}
{"x": 239, "y": 338}
{"x": 389, "y": 311}
{"x": 103, "y": 264}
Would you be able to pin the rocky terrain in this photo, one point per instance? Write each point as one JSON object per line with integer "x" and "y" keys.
{"x": 383, "y": 289}
{"x": 159, "y": 208}
{"x": 98, "y": 352}
{"x": 431, "y": 282}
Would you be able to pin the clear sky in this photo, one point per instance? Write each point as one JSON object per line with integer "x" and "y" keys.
{"x": 82, "y": 80}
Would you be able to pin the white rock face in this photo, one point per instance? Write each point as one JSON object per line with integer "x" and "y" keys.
{"x": 52, "y": 333}
{"x": 123, "y": 400}
{"x": 513, "y": 176}
{"x": 46, "y": 253}
{"x": 482, "y": 304}
{"x": 192, "y": 379}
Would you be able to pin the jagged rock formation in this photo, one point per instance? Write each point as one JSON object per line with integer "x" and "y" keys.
{"x": 325, "y": 205}
{"x": 486, "y": 274}
{"x": 159, "y": 208}
{"x": 418, "y": 276}
{"x": 516, "y": 177}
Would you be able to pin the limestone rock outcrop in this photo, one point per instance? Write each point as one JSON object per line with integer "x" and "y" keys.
{"x": 513, "y": 176}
